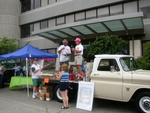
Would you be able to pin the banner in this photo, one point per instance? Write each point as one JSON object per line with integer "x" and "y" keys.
{"x": 85, "y": 96}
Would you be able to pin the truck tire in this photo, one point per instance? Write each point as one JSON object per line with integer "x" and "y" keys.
{"x": 57, "y": 94}
{"x": 143, "y": 102}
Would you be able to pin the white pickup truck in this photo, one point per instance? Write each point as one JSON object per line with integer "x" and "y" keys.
{"x": 117, "y": 77}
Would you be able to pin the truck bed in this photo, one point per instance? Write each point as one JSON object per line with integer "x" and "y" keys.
{"x": 57, "y": 81}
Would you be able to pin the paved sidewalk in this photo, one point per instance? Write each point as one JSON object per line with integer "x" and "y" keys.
{"x": 18, "y": 102}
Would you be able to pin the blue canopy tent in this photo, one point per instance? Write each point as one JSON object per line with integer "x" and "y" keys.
{"x": 28, "y": 52}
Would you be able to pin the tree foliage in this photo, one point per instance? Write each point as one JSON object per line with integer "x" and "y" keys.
{"x": 8, "y": 45}
{"x": 147, "y": 51}
{"x": 144, "y": 62}
{"x": 108, "y": 44}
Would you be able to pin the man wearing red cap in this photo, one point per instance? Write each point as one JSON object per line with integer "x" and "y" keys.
{"x": 78, "y": 52}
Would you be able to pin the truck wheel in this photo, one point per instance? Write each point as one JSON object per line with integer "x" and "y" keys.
{"x": 143, "y": 102}
{"x": 57, "y": 94}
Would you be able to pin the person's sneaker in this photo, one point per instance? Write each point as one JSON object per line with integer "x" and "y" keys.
{"x": 33, "y": 96}
{"x": 79, "y": 75}
{"x": 36, "y": 94}
{"x": 84, "y": 75}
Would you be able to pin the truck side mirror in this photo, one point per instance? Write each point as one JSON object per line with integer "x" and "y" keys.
{"x": 112, "y": 69}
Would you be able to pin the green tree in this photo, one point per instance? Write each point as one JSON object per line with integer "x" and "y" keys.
{"x": 108, "y": 44}
{"x": 144, "y": 62}
{"x": 8, "y": 45}
{"x": 147, "y": 51}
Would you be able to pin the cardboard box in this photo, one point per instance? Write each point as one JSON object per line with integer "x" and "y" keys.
{"x": 40, "y": 88}
{"x": 48, "y": 96}
{"x": 45, "y": 87}
{"x": 42, "y": 96}
{"x": 52, "y": 78}
{"x": 38, "y": 95}
{"x": 47, "y": 77}
{"x": 42, "y": 77}
{"x": 40, "y": 91}
{"x": 46, "y": 91}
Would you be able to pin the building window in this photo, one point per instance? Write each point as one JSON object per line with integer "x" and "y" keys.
{"x": 103, "y": 12}
{"x": 130, "y": 7}
{"x": 70, "y": 18}
{"x": 116, "y": 10}
{"x": 26, "y": 30}
{"x": 52, "y": 1}
{"x": 32, "y": 4}
{"x": 25, "y": 5}
{"x": 60, "y": 20}
{"x": 58, "y": 0}
{"x": 37, "y": 4}
{"x": 44, "y": 24}
{"x": 91, "y": 14}
{"x": 31, "y": 29}
{"x": 80, "y": 16}
{"x": 146, "y": 12}
{"x": 51, "y": 22}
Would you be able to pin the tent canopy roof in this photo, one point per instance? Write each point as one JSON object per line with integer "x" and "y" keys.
{"x": 28, "y": 52}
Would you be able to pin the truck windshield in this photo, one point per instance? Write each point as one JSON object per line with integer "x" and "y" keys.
{"x": 128, "y": 64}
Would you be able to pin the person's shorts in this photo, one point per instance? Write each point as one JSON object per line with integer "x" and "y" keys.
{"x": 66, "y": 62}
{"x": 36, "y": 82}
{"x": 64, "y": 86}
{"x": 78, "y": 60}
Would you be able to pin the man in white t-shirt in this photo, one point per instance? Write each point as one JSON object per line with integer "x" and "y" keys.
{"x": 64, "y": 51}
{"x": 78, "y": 52}
{"x": 36, "y": 70}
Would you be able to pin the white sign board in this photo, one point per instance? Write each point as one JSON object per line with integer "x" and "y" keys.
{"x": 85, "y": 96}
{"x": 41, "y": 62}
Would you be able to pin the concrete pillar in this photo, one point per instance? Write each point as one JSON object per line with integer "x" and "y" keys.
{"x": 136, "y": 48}
{"x": 9, "y": 18}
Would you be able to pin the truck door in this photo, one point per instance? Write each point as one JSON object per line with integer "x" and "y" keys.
{"x": 108, "y": 80}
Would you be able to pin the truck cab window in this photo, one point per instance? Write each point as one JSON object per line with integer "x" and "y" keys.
{"x": 105, "y": 65}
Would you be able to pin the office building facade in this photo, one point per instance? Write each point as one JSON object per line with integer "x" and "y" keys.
{"x": 45, "y": 23}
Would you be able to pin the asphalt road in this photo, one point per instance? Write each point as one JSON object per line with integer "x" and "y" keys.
{"x": 16, "y": 101}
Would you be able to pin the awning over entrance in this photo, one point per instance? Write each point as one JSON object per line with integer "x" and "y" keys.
{"x": 126, "y": 24}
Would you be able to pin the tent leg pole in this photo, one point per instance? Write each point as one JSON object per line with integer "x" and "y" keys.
{"x": 27, "y": 77}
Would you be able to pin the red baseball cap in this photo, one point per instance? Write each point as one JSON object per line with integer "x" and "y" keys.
{"x": 77, "y": 39}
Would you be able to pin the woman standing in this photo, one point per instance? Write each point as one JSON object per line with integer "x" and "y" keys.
{"x": 64, "y": 84}
{"x": 17, "y": 69}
